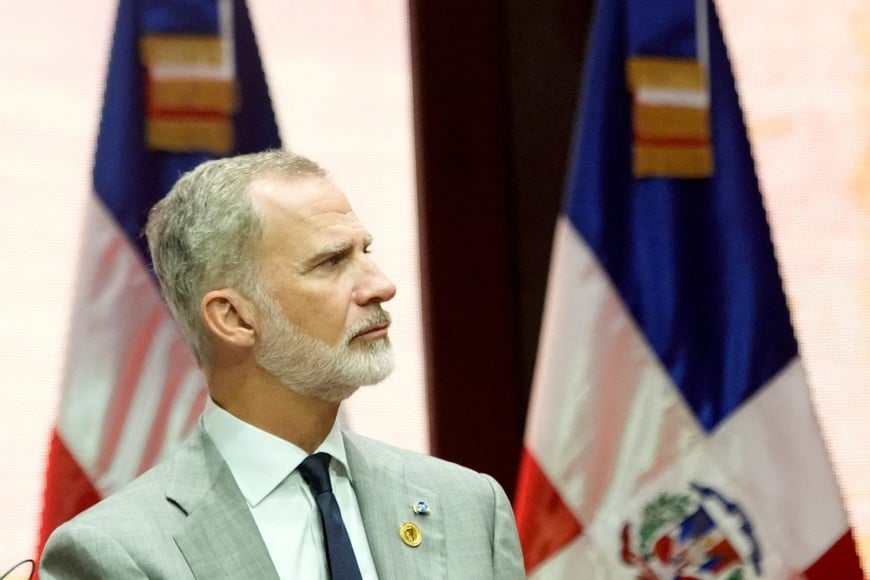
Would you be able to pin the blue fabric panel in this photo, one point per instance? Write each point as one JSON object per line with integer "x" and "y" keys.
{"x": 661, "y": 28}
{"x": 180, "y": 17}
{"x": 692, "y": 259}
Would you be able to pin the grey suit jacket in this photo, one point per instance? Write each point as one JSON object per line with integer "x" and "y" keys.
{"x": 186, "y": 518}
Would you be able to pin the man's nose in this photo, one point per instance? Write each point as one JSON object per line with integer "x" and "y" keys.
{"x": 374, "y": 286}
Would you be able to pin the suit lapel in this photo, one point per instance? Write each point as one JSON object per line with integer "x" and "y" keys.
{"x": 386, "y": 499}
{"x": 219, "y": 538}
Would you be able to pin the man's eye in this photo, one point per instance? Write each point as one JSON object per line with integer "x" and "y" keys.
{"x": 333, "y": 260}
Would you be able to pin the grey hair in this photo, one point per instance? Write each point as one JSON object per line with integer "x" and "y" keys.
{"x": 203, "y": 234}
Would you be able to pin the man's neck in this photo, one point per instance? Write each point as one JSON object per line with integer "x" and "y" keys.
{"x": 276, "y": 409}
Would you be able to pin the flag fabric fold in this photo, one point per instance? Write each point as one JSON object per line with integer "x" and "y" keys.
{"x": 671, "y": 432}
{"x": 185, "y": 84}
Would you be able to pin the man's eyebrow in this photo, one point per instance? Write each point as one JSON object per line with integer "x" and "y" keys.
{"x": 328, "y": 252}
{"x": 334, "y": 250}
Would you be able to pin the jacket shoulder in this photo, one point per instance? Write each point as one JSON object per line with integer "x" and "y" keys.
{"x": 425, "y": 469}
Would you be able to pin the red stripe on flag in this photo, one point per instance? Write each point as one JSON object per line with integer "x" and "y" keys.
{"x": 108, "y": 264}
{"x": 840, "y": 562}
{"x": 179, "y": 364}
{"x": 176, "y": 115}
{"x": 671, "y": 141}
{"x": 545, "y": 523}
{"x": 68, "y": 490}
{"x": 119, "y": 408}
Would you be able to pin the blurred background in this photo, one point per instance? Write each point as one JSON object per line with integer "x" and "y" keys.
{"x": 448, "y": 124}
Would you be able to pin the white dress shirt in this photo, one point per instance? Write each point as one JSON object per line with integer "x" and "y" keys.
{"x": 264, "y": 467}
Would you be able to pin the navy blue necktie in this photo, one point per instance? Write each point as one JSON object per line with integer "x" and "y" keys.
{"x": 339, "y": 551}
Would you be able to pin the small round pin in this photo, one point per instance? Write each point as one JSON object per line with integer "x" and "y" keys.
{"x": 421, "y": 508}
{"x": 410, "y": 534}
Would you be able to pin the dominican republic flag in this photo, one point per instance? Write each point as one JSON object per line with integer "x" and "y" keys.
{"x": 671, "y": 433}
{"x": 185, "y": 84}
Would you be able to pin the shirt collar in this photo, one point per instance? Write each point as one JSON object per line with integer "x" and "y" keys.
{"x": 260, "y": 461}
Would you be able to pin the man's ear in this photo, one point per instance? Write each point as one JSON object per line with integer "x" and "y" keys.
{"x": 229, "y": 317}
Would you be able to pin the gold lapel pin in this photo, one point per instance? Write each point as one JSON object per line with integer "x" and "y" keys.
{"x": 410, "y": 534}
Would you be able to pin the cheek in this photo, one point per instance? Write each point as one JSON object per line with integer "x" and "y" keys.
{"x": 323, "y": 316}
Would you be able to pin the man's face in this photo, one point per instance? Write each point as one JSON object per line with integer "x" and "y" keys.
{"x": 314, "y": 264}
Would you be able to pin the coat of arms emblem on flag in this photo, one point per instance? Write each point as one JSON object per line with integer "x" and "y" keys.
{"x": 692, "y": 535}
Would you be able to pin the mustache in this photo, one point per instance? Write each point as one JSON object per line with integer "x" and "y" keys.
{"x": 379, "y": 316}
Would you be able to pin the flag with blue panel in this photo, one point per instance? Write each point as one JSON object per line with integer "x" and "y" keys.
{"x": 668, "y": 380}
{"x": 185, "y": 84}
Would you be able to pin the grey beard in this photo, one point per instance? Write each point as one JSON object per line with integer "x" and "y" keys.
{"x": 312, "y": 368}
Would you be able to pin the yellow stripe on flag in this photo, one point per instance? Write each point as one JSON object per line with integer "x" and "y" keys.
{"x": 664, "y": 122}
{"x": 181, "y": 49}
{"x": 194, "y": 95}
{"x": 669, "y": 161}
{"x": 665, "y": 73}
{"x": 182, "y": 135}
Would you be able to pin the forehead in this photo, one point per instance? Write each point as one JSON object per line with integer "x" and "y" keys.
{"x": 304, "y": 211}
{"x": 274, "y": 192}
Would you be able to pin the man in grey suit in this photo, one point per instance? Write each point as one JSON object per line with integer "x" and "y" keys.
{"x": 267, "y": 271}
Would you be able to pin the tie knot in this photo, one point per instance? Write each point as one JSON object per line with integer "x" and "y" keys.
{"x": 315, "y": 471}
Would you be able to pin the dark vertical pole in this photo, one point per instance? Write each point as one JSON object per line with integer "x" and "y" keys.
{"x": 546, "y": 45}
{"x": 466, "y": 231}
{"x": 495, "y": 82}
